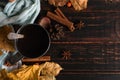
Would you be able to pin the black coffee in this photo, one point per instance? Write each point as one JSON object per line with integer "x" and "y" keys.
{"x": 35, "y": 42}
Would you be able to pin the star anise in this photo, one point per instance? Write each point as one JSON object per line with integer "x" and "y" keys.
{"x": 66, "y": 55}
{"x": 79, "y": 25}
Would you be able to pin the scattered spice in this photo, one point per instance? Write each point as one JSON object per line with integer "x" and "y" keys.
{"x": 56, "y": 32}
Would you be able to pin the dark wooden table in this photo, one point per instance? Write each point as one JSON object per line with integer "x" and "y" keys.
{"x": 95, "y": 48}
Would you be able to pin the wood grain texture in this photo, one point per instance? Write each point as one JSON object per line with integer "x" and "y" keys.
{"x": 95, "y": 49}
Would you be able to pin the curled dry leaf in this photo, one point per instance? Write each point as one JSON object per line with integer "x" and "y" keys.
{"x": 51, "y": 69}
{"x": 79, "y": 4}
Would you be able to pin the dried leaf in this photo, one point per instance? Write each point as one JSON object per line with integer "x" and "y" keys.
{"x": 51, "y": 68}
{"x": 79, "y": 4}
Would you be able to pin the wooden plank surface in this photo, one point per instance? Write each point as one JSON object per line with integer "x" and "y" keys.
{"x": 95, "y": 48}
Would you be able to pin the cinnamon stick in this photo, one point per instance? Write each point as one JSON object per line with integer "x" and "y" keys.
{"x": 44, "y": 58}
{"x": 60, "y": 13}
{"x": 61, "y": 20}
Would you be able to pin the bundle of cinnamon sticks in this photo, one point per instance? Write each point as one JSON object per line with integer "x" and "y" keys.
{"x": 61, "y": 18}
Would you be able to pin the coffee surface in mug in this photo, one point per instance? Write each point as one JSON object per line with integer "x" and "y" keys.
{"x": 35, "y": 41}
